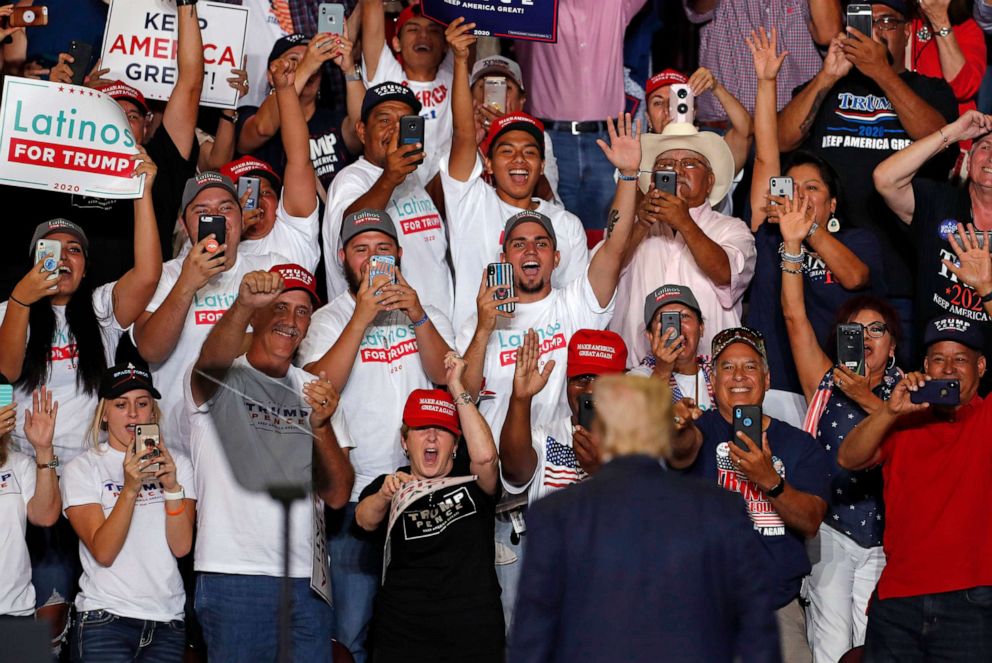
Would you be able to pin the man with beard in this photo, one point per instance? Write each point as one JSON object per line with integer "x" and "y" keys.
{"x": 376, "y": 343}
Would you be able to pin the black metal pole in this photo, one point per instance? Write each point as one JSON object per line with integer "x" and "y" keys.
{"x": 286, "y": 597}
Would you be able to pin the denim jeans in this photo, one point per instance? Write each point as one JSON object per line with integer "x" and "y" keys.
{"x": 356, "y": 570}
{"x": 101, "y": 637}
{"x": 508, "y": 572}
{"x": 950, "y": 626}
{"x": 55, "y": 567}
{"x": 585, "y": 176}
{"x": 239, "y": 616}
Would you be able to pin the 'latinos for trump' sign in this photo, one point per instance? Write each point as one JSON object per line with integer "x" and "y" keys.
{"x": 140, "y": 45}
{"x": 530, "y": 20}
{"x": 67, "y": 138}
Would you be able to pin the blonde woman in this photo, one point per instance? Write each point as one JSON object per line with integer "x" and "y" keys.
{"x": 132, "y": 514}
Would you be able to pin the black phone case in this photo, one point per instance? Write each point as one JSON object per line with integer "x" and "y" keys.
{"x": 81, "y": 53}
{"x": 587, "y": 411}
{"x": 747, "y": 420}
{"x": 216, "y": 226}
{"x": 938, "y": 392}
{"x": 851, "y": 347}
{"x": 412, "y": 131}
{"x": 666, "y": 180}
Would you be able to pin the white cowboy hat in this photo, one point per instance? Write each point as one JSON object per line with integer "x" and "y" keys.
{"x": 685, "y": 136}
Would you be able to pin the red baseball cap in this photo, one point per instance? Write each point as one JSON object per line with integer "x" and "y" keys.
{"x": 119, "y": 90}
{"x": 411, "y": 11}
{"x": 663, "y": 78}
{"x": 514, "y": 122}
{"x": 594, "y": 352}
{"x": 431, "y": 407}
{"x": 295, "y": 277}
{"x": 248, "y": 165}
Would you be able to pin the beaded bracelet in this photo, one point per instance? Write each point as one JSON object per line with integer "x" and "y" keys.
{"x": 789, "y": 270}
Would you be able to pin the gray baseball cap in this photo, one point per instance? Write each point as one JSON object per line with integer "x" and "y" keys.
{"x": 528, "y": 216}
{"x": 208, "y": 179}
{"x": 669, "y": 294}
{"x": 366, "y": 220}
{"x": 58, "y": 225}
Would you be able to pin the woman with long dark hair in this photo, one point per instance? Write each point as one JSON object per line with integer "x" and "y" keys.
{"x": 61, "y": 332}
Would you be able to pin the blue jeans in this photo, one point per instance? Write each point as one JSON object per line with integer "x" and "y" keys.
{"x": 356, "y": 570}
{"x": 585, "y": 176}
{"x": 100, "y": 637}
{"x": 239, "y": 616}
{"x": 508, "y": 573}
{"x": 951, "y": 626}
{"x": 55, "y": 567}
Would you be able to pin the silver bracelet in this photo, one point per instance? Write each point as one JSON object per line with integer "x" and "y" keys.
{"x": 812, "y": 229}
{"x": 789, "y": 270}
{"x": 463, "y": 398}
{"x": 791, "y": 257}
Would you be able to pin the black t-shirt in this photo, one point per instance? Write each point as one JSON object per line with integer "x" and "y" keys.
{"x": 327, "y": 149}
{"x": 854, "y": 131}
{"x": 440, "y": 599}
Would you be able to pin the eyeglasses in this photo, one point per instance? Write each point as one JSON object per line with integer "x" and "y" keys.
{"x": 876, "y": 329}
{"x": 687, "y": 164}
{"x": 887, "y": 23}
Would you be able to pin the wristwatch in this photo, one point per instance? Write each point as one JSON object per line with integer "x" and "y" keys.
{"x": 777, "y": 490}
{"x": 943, "y": 32}
{"x": 355, "y": 75}
{"x": 50, "y": 465}
{"x": 233, "y": 119}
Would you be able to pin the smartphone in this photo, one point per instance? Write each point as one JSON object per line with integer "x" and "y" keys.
{"x": 747, "y": 420}
{"x": 495, "y": 92}
{"x": 412, "y": 131}
{"x": 6, "y": 394}
{"x": 851, "y": 347}
{"x": 938, "y": 392}
{"x": 587, "y": 411}
{"x": 681, "y": 104}
{"x": 81, "y": 53}
{"x": 253, "y": 183}
{"x": 330, "y": 18}
{"x": 216, "y": 225}
{"x": 666, "y": 180}
{"x": 501, "y": 274}
{"x": 49, "y": 253}
{"x": 781, "y": 186}
{"x": 380, "y": 265}
{"x": 859, "y": 18}
{"x": 980, "y": 236}
{"x": 670, "y": 320}
{"x": 146, "y": 436}
{"x": 28, "y": 17}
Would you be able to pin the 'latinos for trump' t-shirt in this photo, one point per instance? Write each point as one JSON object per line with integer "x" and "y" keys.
{"x": 854, "y": 131}
{"x": 799, "y": 459}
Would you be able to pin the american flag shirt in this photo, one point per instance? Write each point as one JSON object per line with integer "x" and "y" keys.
{"x": 557, "y": 466}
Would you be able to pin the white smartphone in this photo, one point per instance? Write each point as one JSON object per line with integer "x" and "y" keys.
{"x": 49, "y": 253}
{"x": 681, "y": 104}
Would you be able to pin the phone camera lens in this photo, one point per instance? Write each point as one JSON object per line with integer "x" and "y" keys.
{"x": 682, "y": 109}
{"x": 943, "y": 392}
{"x": 748, "y": 421}
{"x": 682, "y": 93}
{"x": 666, "y": 179}
{"x": 738, "y": 412}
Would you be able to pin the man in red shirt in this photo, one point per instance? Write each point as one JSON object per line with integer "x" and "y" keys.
{"x": 934, "y": 599}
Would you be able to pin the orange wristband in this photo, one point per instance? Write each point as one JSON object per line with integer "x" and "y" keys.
{"x": 177, "y": 511}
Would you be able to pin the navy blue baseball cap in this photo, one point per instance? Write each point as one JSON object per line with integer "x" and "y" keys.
{"x": 954, "y": 328}
{"x": 388, "y": 91}
{"x": 283, "y": 44}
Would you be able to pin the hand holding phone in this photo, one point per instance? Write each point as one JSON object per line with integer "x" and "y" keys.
{"x": 253, "y": 183}
{"x": 501, "y": 274}
{"x": 587, "y": 411}
{"x": 216, "y": 225}
{"x": 667, "y": 181}
{"x": 495, "y": 93}
{"x": 859, "y": 18}
{"x": 747, "y": 420}
{"x": 330, "y": 18}
{"x": 81, "y": 53}
{"x": 382, "y": 266}
{"x": 851, "y": 347}
{"x": 781, "y": 187}
{"x": 938, "y": 392}
{"x": 146, "y": 443}
{"x": 412, "y": 133}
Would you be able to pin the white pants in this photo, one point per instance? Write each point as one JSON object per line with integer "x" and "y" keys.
{"x": 843, "y": 578}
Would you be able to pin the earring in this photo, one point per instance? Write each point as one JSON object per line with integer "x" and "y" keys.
{"x": 833, "y": 225}
{"x": 454, "y": 453}
{"x": 891, "y": 363}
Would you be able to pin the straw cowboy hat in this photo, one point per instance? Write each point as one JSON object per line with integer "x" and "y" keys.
{"x": 685, "y": 136}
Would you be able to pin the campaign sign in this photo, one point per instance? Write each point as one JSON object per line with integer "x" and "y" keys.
{"x": 68, "y": 138}
{"x": 529, "y": 20}
{"x": 140, "y": 44}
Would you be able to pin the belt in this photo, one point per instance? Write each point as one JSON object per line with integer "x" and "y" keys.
{"x": 589, "y": 127}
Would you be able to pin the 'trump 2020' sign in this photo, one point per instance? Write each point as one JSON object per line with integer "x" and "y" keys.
{"x": 140, "y": 45}
{"x": 529, "y": 20}
{"x": 67, "y": 138}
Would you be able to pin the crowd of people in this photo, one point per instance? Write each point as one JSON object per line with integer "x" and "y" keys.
{"x": 573, "y": 373}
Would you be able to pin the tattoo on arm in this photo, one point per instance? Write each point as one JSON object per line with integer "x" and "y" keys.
{"x": 614, "y": 217}
{"x": 813, "y": 110}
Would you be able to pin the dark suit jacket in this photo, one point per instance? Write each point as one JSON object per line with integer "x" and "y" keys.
{"x": 640, "y": 564}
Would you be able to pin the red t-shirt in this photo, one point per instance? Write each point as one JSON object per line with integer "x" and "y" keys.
{"x": 924, "y": 59}
{"x": 938, "y": 497}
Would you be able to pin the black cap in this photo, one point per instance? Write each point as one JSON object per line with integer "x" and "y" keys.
{"x": 283, "y": 44}
{"x": 528, "y": 216}
{"x": 953, "y": 328}
{"x": 388, "y": 91}
{"x": 122, "y": 378}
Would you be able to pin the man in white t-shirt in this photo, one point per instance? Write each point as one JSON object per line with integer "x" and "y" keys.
{"x": 513, "y": 155}
{"x": 389, "y": 176}
{"x": 674, "y": 353}
{"x": 194, "y": 292}
{"x": 253, "y": 410}
{"x": 416, "y": 60}
{"x": 376, "y": 343}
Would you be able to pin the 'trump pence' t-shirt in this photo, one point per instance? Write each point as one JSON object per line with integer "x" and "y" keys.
{"x": 387, "y": 368}
{"x": 17, "y": 484}
{"x": 799, "y": 459}
{"x": 144, "y": 581}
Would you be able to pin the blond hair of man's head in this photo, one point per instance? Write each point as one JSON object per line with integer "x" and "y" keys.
{"x": 634, "y": 415}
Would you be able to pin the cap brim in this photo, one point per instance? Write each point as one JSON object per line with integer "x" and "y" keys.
{"x": 536, "y": 133}
{"x": 137, "y": 102}
{"x": 130, "y": 385}
{"x": 745, "y": 341}
{"x": 313, "y": 295}
{"x": 416, "y": 108}
{"x": 707, "y": 143}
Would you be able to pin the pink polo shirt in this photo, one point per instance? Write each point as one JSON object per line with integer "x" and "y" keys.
{"x": 581, "y": 77}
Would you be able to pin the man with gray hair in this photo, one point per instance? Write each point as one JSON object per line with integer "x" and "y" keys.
{"x": 653, "y": 584}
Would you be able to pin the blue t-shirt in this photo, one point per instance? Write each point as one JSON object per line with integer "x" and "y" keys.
{"x": 800, "y": 460}
{"x": 823, "y": 295}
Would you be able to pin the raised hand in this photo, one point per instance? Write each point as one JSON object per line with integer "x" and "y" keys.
{"x": 202, "y": 264}
{"x": 249, "y": 217}
{"x": 702, "y": 80}
{"x": 392, "y": 484}
{"x": 869, "y": 56}
{"x": 835, "y": 64}
{"x": 323, "y": 400}
{"x": 8, "y": 418}
{"x": 685, "y": 413}
{"x": 166, "y": 469}
{"x": 624, "y": 148}
{"x": 460, "y": 38}
{"x": 936, "y": 12}
{"x": 795, "y": 217}
{"x": 767, "y": 62}
{"x": 666, "y": 350}
{"x": 401, "y": 296}
{"x": 39, "y": 421}
{"x": 856, "y": 387}
{"x": 900, "y": 401}
{"x": 969, "y": 126}
{"x": 454, "y": 369}
{"x": 259, "y": 289}
{"x": 143, "y": 165}
{"x": 35, "y": 286}
{"x": 486, "y": 304}
{"x": 401, "y": 160}
{"x": 283, "y": 73}
{"x": 975, "y": 268}
{"x": 528, "y": 379}
{"x": 239, "y": 80}
{"x": 368, "y": 301}
{"x": 95, "y": 79}
{"x": 756, "y": 462}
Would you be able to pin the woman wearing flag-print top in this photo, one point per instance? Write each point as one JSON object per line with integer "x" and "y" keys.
{"x": 129, "y": 502}
{"x": 847, "y": 552}
{"x": 439, "y": 600}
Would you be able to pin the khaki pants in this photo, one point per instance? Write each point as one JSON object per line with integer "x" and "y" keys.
{"x": 792, "y": 633}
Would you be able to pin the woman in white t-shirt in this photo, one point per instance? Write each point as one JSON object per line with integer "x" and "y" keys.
{"x": 59, "y": 331}
{"x": 29, "y": 491}
{"x": 133, "y": 518}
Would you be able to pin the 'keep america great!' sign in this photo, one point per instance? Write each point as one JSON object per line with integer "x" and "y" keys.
{"x": 530, "y": 20}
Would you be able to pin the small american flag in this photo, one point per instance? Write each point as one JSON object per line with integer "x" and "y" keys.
{"x": 560, "y": 467}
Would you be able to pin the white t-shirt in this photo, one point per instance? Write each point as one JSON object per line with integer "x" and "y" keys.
{"x": 688, "y": 385}
{"x": 208, "y": 306}
{"x": 434, "y": 97}
{"x": 239, "y": 531}
{"x": 555, "y": 318}
{"x": 144, "y": 581}
{"x": 263, "y": 30}
{"x": 557, "y": 466}
{"x": 386, "y": 369}
{"x": 17, "y": 483}
{"x": 418, "y": 223}
{"x": 76, "y": 408}
{"x": 476, "y": 219}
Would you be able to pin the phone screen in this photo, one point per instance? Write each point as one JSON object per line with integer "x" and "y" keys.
{"x": 6, "y": 394}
